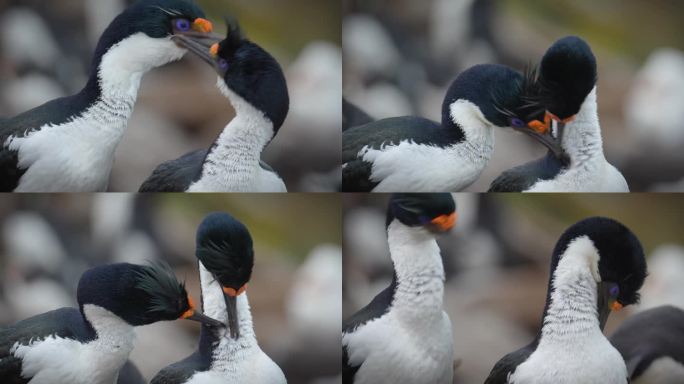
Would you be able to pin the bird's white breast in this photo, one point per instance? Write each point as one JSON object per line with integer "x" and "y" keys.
{"x": 389, "y": 352}
{"x": 56, "y": 360}
{"x": 250, "y": 366}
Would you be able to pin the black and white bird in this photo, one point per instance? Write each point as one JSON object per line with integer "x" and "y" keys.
{"x": 566, "y": 88}
{"x": 597, "y": 266}
{"x": 92, "y": 343}
{"x": 254, "y": 83}
{"x": 652, "y": 344}
{"x": 226, "y": 258}
{"x": 67, "y": 144}
{"x": 413, "y": 154}
{"x": 404, "y": 335}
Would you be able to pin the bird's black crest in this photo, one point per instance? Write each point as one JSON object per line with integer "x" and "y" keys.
{"x": 234, "y": 37}
{"x": 224, "y": 246}
{"x": 161, "y": 284}
{"x": 527, "y": 106}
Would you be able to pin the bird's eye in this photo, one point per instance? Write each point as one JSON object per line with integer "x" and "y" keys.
{"x": 223, "y": 64}
{"x": 182, "y": 25}
{"x": 614, "y": 291}
{"x": 517, "y": 123}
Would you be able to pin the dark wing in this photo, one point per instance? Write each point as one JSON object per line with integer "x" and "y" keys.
{"x": 63, "y": 322}
{"x": 353, "y": 116}
{"x": 176, "y": 175}
{"x": 54, "y": 112}
{"x": 130, "y": 374}
{"x": 649, "y": 335}
{"x": 375, "y": 309}
{"x": 523, "y": 177}
{"x": 182, "y": 371}
{"x": 356, "y": 172}
{"x": 265, "y": 166}
{"x": 508, "y": 364}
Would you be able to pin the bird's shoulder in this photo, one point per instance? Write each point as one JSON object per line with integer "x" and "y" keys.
{"x": 182, "y": 371}
{"x": 507, "y": 364}
{"x": 64, "y": 323}
{"x": 393, "y": 131}
{"x": 523, "y": 177}
{"x": 375, "y": 309}
{"x": 176, "y": 175}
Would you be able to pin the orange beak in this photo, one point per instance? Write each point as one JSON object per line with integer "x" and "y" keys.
{"x": 616, "y": 306}
{"x": 232, "y": 292}
{"x": 190, "y": 311}
{"x": 214, "y": 50}
{"x": 202, "y": 25}
{"x": 540, "y": 127}
{"x": 445, "y": 222}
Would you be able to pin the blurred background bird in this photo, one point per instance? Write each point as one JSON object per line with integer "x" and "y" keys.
{"x": 401, "y": 55}
{"x": 47, "y": 241}
{"x": 45, "y": 50}
{"x": 496, "y": 262}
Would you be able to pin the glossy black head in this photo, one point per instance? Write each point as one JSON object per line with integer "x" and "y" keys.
{"x": 224, "y": 246}
{"x": 567, "y": 75}
{"x": 434, "y": 211}
{"x": 621, "y": 258}
{"x": 157, "y": 19}
{"x": 497, "y": 90}
{"x": 138, "y": 294}
{"x": 248, "y": 71}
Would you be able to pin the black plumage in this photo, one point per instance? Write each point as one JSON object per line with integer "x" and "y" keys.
{"x": 199, "y": 361}
{"x": 353, "y": 116}
{"x": 648, "y": 336}
{"x": 524, "y": 176}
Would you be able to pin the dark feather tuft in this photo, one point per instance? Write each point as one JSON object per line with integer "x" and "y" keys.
{"x": 159, "y": 281}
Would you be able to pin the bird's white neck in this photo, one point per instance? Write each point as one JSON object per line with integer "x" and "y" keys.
{"x": 479, "y": 135}
{"x": 233, "y": 161}
{"x": 572, "y": 312}
{"x": 582, "y": 137}
{"x": 214, "y": 306}
{"x": 420, "y": 275}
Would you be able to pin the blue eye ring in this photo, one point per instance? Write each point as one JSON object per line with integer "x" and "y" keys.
{"x": 517, "y": 123}
{"x": 223, "y": 64}
{"x": 182, "y": 25}
{"x": 614, "y": 291}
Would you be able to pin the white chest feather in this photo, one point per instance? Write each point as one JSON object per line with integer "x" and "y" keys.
{"x": 411, "y": 167}
{"x": 234, "y": 361}
{"x": 65, "y": 361}
{"x": 572, "y": 348}
{"x": 77, "y": 156}
{"x": 412, "y": 342}
{"x": 233, "y": 162}
{"x": 589, "y": 170}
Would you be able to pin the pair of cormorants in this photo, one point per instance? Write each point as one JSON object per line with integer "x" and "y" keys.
{"x": 91, "y": 344}
{"x": 68, "y": 144}
{"x": 597, "y": 266}
{"x": 412, "y": 154}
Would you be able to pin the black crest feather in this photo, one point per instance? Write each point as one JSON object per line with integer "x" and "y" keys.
{"x": 159, "y": 281}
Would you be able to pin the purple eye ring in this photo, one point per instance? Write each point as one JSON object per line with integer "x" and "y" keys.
{"x": 517, "y": 123}
{"x": 614, "y": 291}
{"x": 223, "y": 64}
{"x": 183, "y": 25}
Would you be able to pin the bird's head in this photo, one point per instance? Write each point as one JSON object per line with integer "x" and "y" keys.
{"x": 247, "y": 71}
{"x": 140, "y": 37}
{"x": 493, "y": 95}
{"x": 620, "y": 268}
{"x": 224, "y": 247}
{"x": 138, "y": 294}
{"x": 435, "y": 212}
